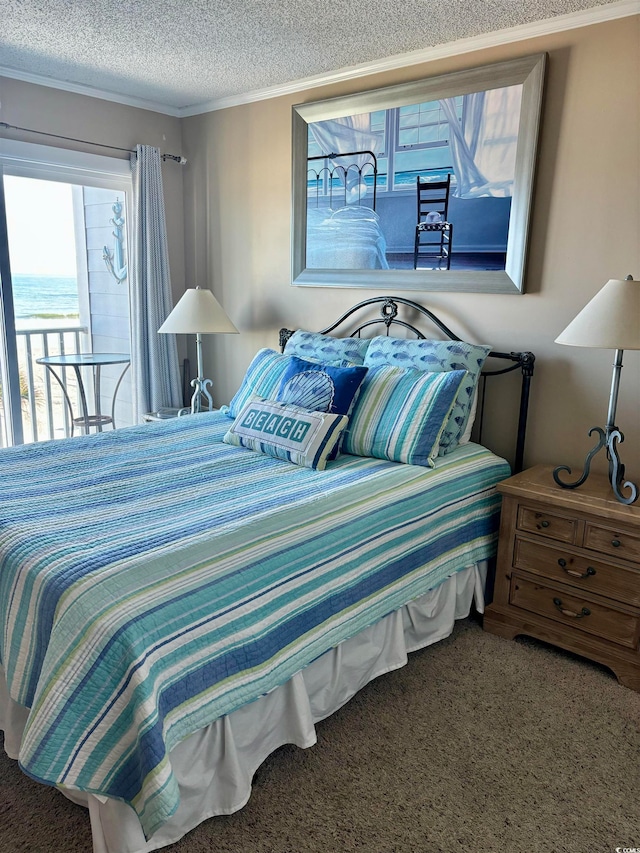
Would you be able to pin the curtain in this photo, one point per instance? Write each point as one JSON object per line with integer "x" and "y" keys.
{"x": 154, "y": 357}
{"x": 483, "y": 146}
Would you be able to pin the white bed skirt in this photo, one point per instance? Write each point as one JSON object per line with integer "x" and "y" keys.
{"x": 214, "y": 767}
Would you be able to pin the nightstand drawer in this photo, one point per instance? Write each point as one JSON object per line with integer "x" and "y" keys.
{"x": 562, "y": 604}
{"x": 578, "y": 570}
{"x": 547, "y": 524}
{"x": 609, "y": 540}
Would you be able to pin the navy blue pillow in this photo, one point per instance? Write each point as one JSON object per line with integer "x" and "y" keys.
{"x": 320, "y": 387}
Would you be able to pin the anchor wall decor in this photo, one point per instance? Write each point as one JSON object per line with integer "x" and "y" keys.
{"x": 115, "y": 260}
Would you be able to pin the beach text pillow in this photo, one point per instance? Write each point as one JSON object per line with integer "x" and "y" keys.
{"x": 287, "y": 432}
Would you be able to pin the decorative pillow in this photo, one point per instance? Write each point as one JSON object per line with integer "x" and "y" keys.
{"x": 287, "y": 432}
{"x": 262, "y": 379}
{"x": 320, "y": 387}
{"x": 465, "y": 438}
{"x": 436, "y": 356}
{"x": 401, "y": 413}
{"x": 324, "y": 349}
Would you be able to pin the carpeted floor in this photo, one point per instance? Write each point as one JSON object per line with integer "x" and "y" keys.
{"x": 479, "y": 744}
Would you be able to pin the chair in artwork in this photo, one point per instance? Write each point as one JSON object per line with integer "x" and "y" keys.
{"x": 434, "y": 232}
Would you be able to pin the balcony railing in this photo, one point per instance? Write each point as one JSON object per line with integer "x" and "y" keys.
{"x": 45, "y": 414}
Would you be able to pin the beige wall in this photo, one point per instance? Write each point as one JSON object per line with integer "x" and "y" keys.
{"x": 585, "y": 230}
{"x": 233, "y": 232}
{"x": 67, "y": 114}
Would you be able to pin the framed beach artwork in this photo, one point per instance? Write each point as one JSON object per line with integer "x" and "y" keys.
{"x": 422, "y": 186}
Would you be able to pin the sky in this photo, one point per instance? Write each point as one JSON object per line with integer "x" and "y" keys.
{"x": 40, "y": 226}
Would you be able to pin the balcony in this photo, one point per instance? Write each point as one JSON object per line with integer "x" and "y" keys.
{"x": 45, "y": 414}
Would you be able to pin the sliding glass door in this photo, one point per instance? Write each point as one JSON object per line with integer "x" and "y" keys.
{"x": 63, "y": 261}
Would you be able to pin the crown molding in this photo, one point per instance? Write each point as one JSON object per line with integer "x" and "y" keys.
{"x": 90, "y": 91}
{"x": 548, "y": 26}
{"x": 522, "y": 32}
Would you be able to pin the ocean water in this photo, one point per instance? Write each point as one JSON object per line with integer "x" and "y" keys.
{"x": 44, "y": 296}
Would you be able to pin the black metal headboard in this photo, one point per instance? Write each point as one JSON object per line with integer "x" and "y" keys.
{"x": 389, "y": 316}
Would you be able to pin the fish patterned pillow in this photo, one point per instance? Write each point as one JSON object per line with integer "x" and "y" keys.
{"x": 436, "y": 357}
{"x": 324, "y": 349}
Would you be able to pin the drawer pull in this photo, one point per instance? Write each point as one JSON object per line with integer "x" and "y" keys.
{"x": 589, "y": 571}
{"x": 545, "y": 523}
{"x": 585, "y": 610}
{"x": 616, "y": 543}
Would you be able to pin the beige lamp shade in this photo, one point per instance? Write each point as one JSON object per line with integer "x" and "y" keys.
{"x": 198, "y": 312}
{"x": 611, "y": 320}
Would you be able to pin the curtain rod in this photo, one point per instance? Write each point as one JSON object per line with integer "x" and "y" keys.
{"x": 174, "y": 157}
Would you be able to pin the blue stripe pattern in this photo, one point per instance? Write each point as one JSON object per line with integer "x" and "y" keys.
{"x": 155, "y": 578}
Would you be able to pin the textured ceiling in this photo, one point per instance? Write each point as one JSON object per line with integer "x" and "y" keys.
{"x": 184, "y": 53}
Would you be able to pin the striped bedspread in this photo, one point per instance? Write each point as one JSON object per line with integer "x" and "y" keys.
{"x": 154, "y": 578}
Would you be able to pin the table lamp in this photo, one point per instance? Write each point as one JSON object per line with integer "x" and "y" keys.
{"x": 610, "y": 321}
{"x": 198, "y": 313}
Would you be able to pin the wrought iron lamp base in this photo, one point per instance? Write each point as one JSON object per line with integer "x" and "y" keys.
{"x": 608, "y": 439}
{"x": 200, "y": 386}
{"x": 200, "y": 395}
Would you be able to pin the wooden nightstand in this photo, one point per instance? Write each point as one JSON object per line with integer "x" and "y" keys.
{"x": 568, "y": 570}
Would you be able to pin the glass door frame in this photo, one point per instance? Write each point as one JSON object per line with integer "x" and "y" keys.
{"x": 9, "y": 352}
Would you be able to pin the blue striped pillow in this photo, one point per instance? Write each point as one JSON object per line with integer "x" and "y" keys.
{"x": 263, "y": 378}
{"x": 401, "y": 413}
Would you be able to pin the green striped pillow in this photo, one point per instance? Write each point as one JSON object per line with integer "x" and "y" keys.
{"x": 436, "y": 356}
{"x": 401, "y": 413}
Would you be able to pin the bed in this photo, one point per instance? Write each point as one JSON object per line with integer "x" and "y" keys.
{"x": 176, "y": 604}
{"x": 343, "y": 228}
